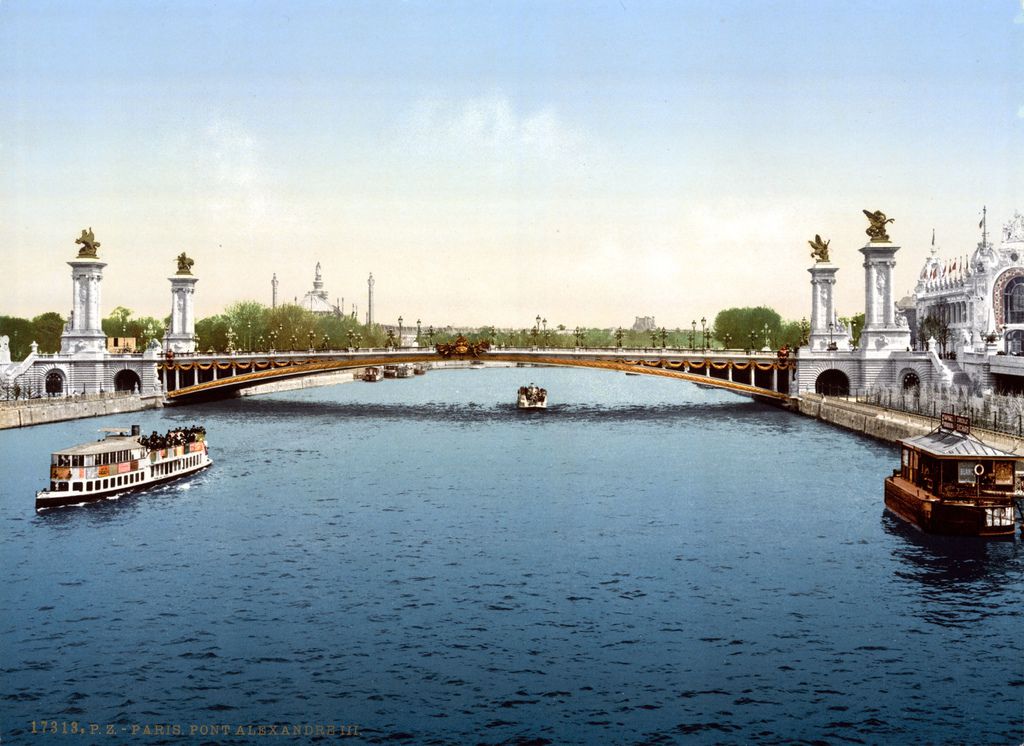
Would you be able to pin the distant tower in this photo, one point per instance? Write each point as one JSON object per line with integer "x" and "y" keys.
{"x": 84, "y": 332}
{"x": 273, "y": 295}
{"x": 181, "y": 336}
{"x": 369, "y": 305}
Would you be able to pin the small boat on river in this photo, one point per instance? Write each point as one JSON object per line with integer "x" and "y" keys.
{"x": 404, "y": 371}
{"x": 373, "y": 374}
{"x": 532, "y": 397}
{"x": 122, "y": 462}
{"x": 950, "y": 482}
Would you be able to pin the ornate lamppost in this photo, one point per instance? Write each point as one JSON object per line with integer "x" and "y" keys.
{"x": 753, "y": 340}
{"x": 399, "y": 332}
{"x": 693, "y": 333}
{"x": 430, "y": 335}
{"x": 618, "y": 337}
{"x": 664, "y": 337}
{"x": 832, "y": 346}
{"x": 654, "y": 337}
{"x": 418, "y": 330}
{"x": 231, "y": 340}
{"x": 704, "y": 333}
{"x": 248, "y": 335}
{"x": 727, "y": 340}
{"x": 359, "y": 339}
{"x": 766, "y": 342}
{"x": 350, "y": 335}
{"x": 578, "y": 333}
{"x": 311, "y": 336}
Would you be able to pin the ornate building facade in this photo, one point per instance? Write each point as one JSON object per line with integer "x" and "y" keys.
{"x": 980, "y": 296}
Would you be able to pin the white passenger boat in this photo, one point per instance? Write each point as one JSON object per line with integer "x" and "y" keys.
{"x": 373, "y": 374}
{"x": 122, "y": 462}
{"x": 404, "y": 370}
{"x": 532, "y": 397}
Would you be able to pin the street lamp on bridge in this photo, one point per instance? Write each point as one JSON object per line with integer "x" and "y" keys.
{"x": 664, "y": 337}
{"x": 399, "y": 332}
{"x": 418, "y": 330}
{"x": 693, "y": 332}
{"x": 618, "y": 337}
{"x": 578, "y": 333}
{"x": 704, "y": 333}
{"x": 767, "y": 344}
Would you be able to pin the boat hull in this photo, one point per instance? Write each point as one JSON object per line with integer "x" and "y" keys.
{"x": 46, "y": 499}
{"x": 932, "y": 515}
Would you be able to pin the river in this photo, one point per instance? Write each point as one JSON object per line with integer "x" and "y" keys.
{"x": 647, "y": 561}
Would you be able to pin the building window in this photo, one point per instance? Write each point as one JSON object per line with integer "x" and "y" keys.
{"x": 1013, "y": 301}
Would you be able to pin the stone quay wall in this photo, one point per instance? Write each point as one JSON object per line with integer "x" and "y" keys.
{"x": 887, "y": 424}
{"x": 42, "y": 411}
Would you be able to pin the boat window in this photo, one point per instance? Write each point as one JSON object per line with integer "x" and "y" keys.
{"x": 76, "y": 460}
{"x": 966, "y": 472}
{"x": 63, "y": 460}
{"x": 90, "y": 460}
{"x": 106, "y": 483}
{"x": 77, "y": 487}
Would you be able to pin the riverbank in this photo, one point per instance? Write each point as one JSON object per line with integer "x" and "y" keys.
{"x": 887, "y": 424}
{"x": 42, "y": 411}
{"x": 305, "y": 382}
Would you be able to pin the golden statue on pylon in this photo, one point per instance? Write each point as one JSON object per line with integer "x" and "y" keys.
{"x": 184, "y": 264}
{"x": 876, "y": 231}
{"x": 89, "y": 243}
{"x": 819, "y": 249}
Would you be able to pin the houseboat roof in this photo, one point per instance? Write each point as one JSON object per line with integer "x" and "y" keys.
{"x": 110, "y": 443}
{"x": 946, "y": 443}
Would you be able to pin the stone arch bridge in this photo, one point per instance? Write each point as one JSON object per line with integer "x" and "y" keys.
{"x": 194, "y": 378}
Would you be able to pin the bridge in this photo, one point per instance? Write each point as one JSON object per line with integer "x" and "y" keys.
{"x": 198, "y": 377}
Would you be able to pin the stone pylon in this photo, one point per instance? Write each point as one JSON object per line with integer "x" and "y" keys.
{"x": 826, "y": 331}
{"x": 83, "y": 333}
{"x": 181, "y": 336}
{"x": 882, "y": 333}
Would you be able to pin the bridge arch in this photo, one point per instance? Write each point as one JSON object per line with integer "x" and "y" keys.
{"x": 909, "y": 380}
{"x": 55, "y": 382}
{"x": 767, "y": 376}
{"x": 127, "y": 380}
{"x": 832, "y": 382}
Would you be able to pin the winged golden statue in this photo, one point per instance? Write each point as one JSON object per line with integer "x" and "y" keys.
{"x": 89, "y": 243}
{"x": 184, "y": 264}
{"x": 876, "y": 231}
{"x": 819, "y": 249}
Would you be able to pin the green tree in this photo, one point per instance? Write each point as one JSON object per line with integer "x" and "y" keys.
{"x": 116, "y": 324}
{"x": 46, "y": 330}
{"x": 854, "y": 325}
{"x": 738, "y": 323}
{"x": 21, "y": 334}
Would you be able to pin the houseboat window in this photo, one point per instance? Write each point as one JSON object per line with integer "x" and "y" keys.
{"x": 77, "y": 461}
{"x": 77, "y": 487}
{"x": 106, "y": 483}
{"x": 906, "y": 457}
{"x": 90, "y": 461}
{"x": 966, "y": 472}
{"x": 63, "y": 460}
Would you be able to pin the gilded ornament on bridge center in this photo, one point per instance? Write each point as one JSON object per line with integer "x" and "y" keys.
{"x": 461, "y": 347}
{"x": 819, "y": 249}
{"x": 876, "y": 231}
{"x": 89, "y": 244}
{"x": 184, "y": 264}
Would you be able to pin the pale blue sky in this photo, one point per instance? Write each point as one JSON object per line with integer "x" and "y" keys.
{"x": 587, "y": 160}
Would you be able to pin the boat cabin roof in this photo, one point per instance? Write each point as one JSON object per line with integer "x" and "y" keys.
{"x": 110, "y": 443}
{"x": 953, "y": 445}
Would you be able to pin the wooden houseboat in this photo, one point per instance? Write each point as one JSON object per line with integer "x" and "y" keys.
{"x": 950, "y": 482}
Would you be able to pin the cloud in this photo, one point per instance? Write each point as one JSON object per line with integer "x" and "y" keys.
{"x": 487, "y": 141}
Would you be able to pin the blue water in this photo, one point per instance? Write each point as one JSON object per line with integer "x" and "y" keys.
{"x": 647, "y": 561}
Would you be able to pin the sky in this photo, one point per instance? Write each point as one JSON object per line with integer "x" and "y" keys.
{"x": 587, "y": 162}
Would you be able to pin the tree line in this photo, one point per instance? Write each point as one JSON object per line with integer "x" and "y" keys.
{"x": 249, "y": 325}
